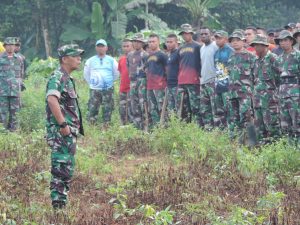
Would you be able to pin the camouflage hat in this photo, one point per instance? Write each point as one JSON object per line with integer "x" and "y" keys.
{"x": 260, "y": 40}
{"x": 285, "y": 34}
{"x": 139, "y": 37}
{"x": 239, "y": 30}
{"x": 296, "y": 33}
{"x": 10, "y": 41}
{"x": 186, "y": 28}
{"x": 290, "y": 25}
{"x": 221, "y": 33}
{"x": 18, "y": 40}
{"x": 69, "y": 50}
{"x": 236, "y": 34}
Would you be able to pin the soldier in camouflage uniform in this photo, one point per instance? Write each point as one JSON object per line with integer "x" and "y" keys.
{"x": 240, "y": 68}
{"x": 63, "y": 123}
{"x": 289, "y": 90}
{"x": 10, "y": 84}
{"x": 265, "y": 96}
{"x": 138, "y": 94}
{"x": 100, "y": 72}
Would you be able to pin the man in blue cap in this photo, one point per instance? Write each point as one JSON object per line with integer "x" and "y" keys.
{"x": 100, "y": 72}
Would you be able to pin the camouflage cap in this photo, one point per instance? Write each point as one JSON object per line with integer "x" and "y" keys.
{"x": 139, "y": 37}
{"x": 296, "y": 33}
{"x": 10, "y": 41}
{"x": 285, "y": 34}
{"x": 239, "y": 30}
{"x": 186, "y": 28}
{"x": 290, "y": 25}
{"x": 69, "y": 50}
{"x": 236, "y": 34}
{"x": 260, "y": 40}
{"x": 221, "y": 33}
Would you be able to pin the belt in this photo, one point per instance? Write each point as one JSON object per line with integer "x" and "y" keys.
{"x": 289, "y": 80}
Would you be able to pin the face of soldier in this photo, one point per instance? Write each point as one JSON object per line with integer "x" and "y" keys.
{"x": 137, "y": 45}
{"x": 72, "y": 62}
{"x": 298, "y": 38}
{"x": 10, "y": 49}
{"x": 286, "y": 44}
{"x": 126, "y": 47}
{"x": 260, "y": 49}
{"x": 171, "y": 43}
{"x": 205, "y": 36}
{"x": 187, "y": 37}
{"x": 101, "y": 50}
{"x": 221, "y": 41}
{"x": 237, "y": 44}
{"x": 271, "y": 38}
{"x": 153, "y": 43}
{"x": 250, "y": 35}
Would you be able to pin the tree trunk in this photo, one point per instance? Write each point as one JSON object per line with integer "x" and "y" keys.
{"x": 46, "y": 37}
{"x": 146, "y": 11}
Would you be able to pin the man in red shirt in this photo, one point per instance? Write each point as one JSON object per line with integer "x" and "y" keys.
{"x": 156, "y": 79}
{"x": 124, "y": 83}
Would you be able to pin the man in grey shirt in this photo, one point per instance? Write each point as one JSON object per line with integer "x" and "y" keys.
{"x": 208, "y": 75}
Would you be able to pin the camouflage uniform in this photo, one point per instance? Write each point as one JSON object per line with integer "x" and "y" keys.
{"x": 10, "y": 83}
{"x": 97, "y": 98}
{"x": 63, "y": 148}
{"x": 124, "y": 110}
{"x": 289, "y": 94}
{"x": 265, "y": 96}
{"x": 240, "y": 68}
{"x": 138, "y": 83}
{"x": 172, "y": 99}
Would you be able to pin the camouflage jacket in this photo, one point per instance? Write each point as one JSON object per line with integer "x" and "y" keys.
{"x": 10, "y": 75}
{"x": 289, "y": 67}
{"x": 266, "y": 73}
{"x": 240, "y": 70}
{"x": 62, "y": 86}
{"x": 135, "y": 63}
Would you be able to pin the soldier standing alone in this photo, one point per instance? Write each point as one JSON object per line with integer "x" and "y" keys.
{"x": 64, "y": 123}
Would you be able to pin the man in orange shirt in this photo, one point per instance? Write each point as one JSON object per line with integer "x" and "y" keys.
{"x": 124, "y": 83}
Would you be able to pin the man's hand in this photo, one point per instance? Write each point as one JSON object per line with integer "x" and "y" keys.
{"x": 65, "y": 131}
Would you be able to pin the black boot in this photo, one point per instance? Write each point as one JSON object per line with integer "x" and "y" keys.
{"x": 58, "y": 204}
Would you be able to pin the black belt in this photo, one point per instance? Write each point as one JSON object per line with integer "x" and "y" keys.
{"x": 289, "y": 80}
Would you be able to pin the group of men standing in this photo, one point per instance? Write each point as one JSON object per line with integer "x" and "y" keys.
{"x": 242, "y": 82}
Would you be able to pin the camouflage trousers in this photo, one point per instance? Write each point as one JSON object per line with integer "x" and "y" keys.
{"x": 239, "y": 114}
{"x": 138, "y": 101}
{"x": 9, "y": 106}
{"x": 172, "y": 99}
{"x": 290, "y": 117}
{"x": 266, "y": 116}
{"x": 124, "y": 110}
{"x": 221, "y": 117}
{"x": 188, "y": 102}
{"x": 63, "y": 150}
{"x": 98, "y": 97}
{"x": 212, "y": 107}
{"x": 155, "y": 103}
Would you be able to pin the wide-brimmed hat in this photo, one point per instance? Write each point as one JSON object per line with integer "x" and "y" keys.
{"x": 10, "y": 41}
{"x": 290, "y": 25}
{"x": 285, "y": 34}
{"x": 260, "y": 40}
{"x": 139, "y": 37}
{"x": 186, "y": 28}
{"x": 221, "y": 33}
{"x": 69, "y": 50}
{"x": 236, "y": 34}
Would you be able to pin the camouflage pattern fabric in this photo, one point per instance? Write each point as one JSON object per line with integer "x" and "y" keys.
{"x": 240, "y": 68}
{"x": 98, "y": 97}
{"x": 124, "y": 110}
{"x": 191, "y": 105}
{"x": 221, "y": 117}
{"x": 172, "y": 99}
{"x": 9, "y": 106}
{"x": 10, "y": 89}
{"x": 63, "y": 149}
{"x": 207, "y": 105}
{"x": 289, "y": 94}
{"x": 155, "y": 103}
{"x": 138, "y": 98}
{"x": 265, "y": 97}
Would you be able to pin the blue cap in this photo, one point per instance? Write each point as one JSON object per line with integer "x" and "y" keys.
{"x": 101, "y": 42}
